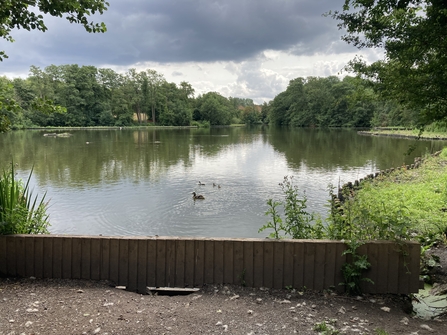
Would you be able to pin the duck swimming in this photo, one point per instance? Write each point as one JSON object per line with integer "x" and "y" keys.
{"x": 197, "y": 196}
{"x": 201, "y": 184}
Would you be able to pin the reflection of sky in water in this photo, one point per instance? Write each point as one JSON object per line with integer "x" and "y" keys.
{"x": 162, "y": 204}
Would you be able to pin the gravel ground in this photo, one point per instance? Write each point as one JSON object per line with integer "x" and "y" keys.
{"x": 31, "y": 306}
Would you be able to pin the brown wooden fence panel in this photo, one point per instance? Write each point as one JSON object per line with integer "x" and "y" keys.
{"x": 187, "y": 262}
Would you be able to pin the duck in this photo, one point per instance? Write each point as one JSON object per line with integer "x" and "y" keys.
{"x": 201, "y": 184}
{"x": 197, "y": 196}
{"x": 214, "y": 185}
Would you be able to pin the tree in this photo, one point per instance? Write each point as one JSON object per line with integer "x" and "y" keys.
{"x": 27, "y": 14}
{"x": 413, "y": 34}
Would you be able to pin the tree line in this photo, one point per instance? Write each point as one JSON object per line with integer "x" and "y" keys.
{"x": 87, "y": 96}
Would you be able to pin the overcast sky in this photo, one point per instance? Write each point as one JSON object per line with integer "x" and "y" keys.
{"x": 240, "y": 48}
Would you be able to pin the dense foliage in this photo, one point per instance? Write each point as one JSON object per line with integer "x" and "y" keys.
{"x": 413, "y": 34}
{"x": 101, "y": 97}
{"x": 332, "y": 102}
{"x": 20, "y": 212}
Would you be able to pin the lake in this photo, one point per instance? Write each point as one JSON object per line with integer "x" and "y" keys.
{"x": 140, "y": 182}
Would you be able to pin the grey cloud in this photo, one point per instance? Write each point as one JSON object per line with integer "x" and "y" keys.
{"x": 181, "y": 31}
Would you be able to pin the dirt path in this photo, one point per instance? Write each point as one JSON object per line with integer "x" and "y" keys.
{"x": 83, "y": 307}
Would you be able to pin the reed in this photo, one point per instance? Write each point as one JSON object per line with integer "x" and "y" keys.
{"x": 20, "y": 211}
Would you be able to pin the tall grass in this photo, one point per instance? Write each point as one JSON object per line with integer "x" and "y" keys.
{"x": 20, "y": 212}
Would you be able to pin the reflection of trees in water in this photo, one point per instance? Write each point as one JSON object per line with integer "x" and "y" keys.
{"x": 333, "y": 148}
{"x": 111, "y": 155}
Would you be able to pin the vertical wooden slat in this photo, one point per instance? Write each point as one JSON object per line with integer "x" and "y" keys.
{"x": 330, "y": 263}
{"x": 371, "y": 251}
{"x": 309, "y": 265}
{"x": 3, "y": 256}
{"x": 228, "y": 262}
{"x": 47, "y": 257}
{"x": 268, "y": 264}
{"x": 21, "y": 256}
{"x": 67, "y": 247}
{"x": 404, "y": 271}
{"x": 105, "y": 259}
{"x": 86, "y": 256}
{"x": 319, "y": 269}
{"x": 298, "y": 265}
{"x": 180, "y": 263}
{"x": 151, "y": 262}
{"x": 238, "y": 263}
{"x": 218, "y": 262}
{"x": 142, "y": 266}
{"x": 393, "y": 269}
{"x": 132, "y": 282}
{"x": 340, "y": 260}
{"x": 248, "y": 263}
{"x": 209, "y": 262}
{"x": 38, "y": 257}
{"x": 199, "y": 260}
{"x": 76, "y": 256}
{"x": 258, "y": 260}
{"x": 57, "y": 257}
{"x": 288, "y": 264}
{"x": 161, "y": 263}
{"x": 278, "y": 264}
{"x": 11, "y": 253}
{"x": 123, "y": 272}
{"x": 170, "y": 262}
{"x": 189, "y": 263}
{"x": 29, "y": 252}
{"x": 381, "y": 283}
{"x": 95, "y": 263}
{"x": 414, "y": 260}
{"x": 114, "y": 260}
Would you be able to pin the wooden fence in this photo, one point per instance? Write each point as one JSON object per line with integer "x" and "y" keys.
{"x": 139, "y": 262}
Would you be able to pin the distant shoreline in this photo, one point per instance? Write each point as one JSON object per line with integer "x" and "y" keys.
{"x": 404, "y": 133}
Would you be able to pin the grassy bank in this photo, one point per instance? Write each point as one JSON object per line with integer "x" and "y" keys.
{"x": 407, "y": 204}
{"x": 411, "y": 133}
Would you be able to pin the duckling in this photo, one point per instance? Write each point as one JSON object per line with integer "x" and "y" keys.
{"x": 201, "y": 184}
{"x": 197, "y": 196}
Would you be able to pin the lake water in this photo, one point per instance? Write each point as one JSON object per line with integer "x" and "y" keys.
{"x": 139, "y": 182}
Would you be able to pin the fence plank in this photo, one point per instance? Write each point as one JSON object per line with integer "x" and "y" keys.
{"x": 309, "y": 265}
{"x": 160, "y": 278}
{"x": 47, "y": 257}
{"x": 57, "y": 258}
{"x": 381, "y": 284}
{"x": 142, "y": 266}
{"x": 190, "y": 263}
{"x": 268, "y": 265}
{"x": 209, "y": 262}
{"x": 278, "y": 264}
{"x": 258, "y": 259}
{"x": 12, "y": 259}
{"x": 170, "y": 262}
{"x": 21, "y": 256}
{"x": 38, "y": 257}
{"x": 85, "y": 258}
{"x": 199, "y": 257}
{"x": 298, "y": 266}
{"x": 114, "y": 260}
{"x": 180, "y": 263}
{"x": 67, "y": 247}
{"x": 319, "y": 268}
{"x": 151, "y": 262}
{"x": 3, "y": 256}
{"x": 330, "y": 259}
{"x": 228, "y": 262}
{"x": 238, "y": 262}
{"x": 29, "y": 259}
{"x": 248, "y": 264}
{"x": 105, "y": 258}
{"x": 132, "y": 283}
{"x": 413, "y": 261}
{"x": 218, "y": 262}
{"x": 123, "y": 269}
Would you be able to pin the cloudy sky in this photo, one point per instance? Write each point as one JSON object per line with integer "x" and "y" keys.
{"x": 240, "y": 48}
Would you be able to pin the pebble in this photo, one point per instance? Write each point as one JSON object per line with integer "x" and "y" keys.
{"x": 342, "y": 310}
{"x": 97, "y": 330}
{"x": 386, "y": 309}
{"x": 285, "y": 301}
{"x": 234, "y": 297}
{"x": 427, "y": 327}
{"x": 258, "y": 300}
{"x": 28, "y": 323}
{"x": 404, "y": 321}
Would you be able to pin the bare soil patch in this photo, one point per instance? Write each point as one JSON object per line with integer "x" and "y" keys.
{"x": 30, "y": 306}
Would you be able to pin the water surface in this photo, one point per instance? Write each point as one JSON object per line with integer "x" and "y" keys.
{"x": 139, "y": 182}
